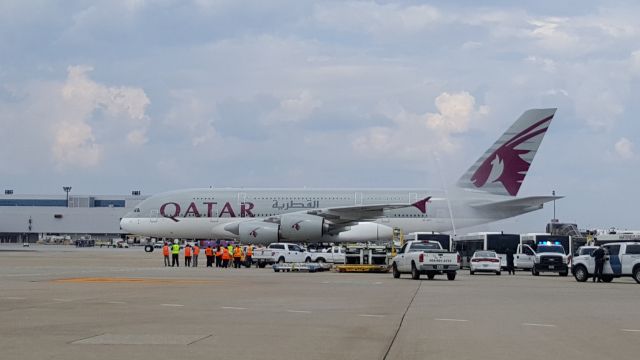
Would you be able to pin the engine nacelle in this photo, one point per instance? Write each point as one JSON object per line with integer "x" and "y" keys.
{"x": 302, "y": 227}
{"x": 258, "y": 232}
{"x": 365, "y": 231}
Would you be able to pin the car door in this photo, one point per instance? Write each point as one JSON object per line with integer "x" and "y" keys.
{"x": 338, "y": 256}
{"x": 524, "y": 258}
{"x": 400, "y": 259}
{"x": 612, "y": 264}
{"x": 630, "y": 258}
{"x": 295, "y": 254}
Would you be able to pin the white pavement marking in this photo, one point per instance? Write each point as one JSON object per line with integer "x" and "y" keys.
{"x": 116, "y": 302}
{"x": 455, "y": 320}
{"x": 540, "y": 325}
{"x": 62, "y": 300}
{"x": 14, "y": 298}
{"x": 325, "y": 282}
{"x": 378, "y": 282}
{"x": 371, "y": 315}
{"x": 299, "y": 311}
{"x": 630, "y": 330}
{"x": 233, "y": 308}
{"x": 174, "y": 305}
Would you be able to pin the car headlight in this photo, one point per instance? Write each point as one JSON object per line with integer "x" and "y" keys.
{"x": 537, "y": 259}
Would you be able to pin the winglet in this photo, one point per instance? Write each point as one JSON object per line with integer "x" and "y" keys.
{"x": 422, "y": 204}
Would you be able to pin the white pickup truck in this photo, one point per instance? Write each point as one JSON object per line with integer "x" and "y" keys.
{"x": 279, "y": 253}
{"x": 622, "y": 259}
{"x": 333, "y": 255}
{"x": 425, "y": 257}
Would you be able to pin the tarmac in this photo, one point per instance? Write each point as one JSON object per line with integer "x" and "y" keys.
{"x": 60, "y": 302}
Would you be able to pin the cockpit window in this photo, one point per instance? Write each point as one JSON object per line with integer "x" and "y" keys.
{"x": 136, "y": 210}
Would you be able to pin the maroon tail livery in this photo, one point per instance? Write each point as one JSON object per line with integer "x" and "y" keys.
{"x": 502, "y": 169}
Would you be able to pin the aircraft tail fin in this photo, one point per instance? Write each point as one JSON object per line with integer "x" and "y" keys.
{"x": 503, "y": 167}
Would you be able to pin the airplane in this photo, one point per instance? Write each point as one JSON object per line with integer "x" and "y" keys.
{"x": 487, "y": 192}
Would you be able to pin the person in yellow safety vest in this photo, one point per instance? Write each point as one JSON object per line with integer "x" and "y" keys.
{"x": 248, "y": 258}
{"x": 219, "y": 252}
{"x": 196, "y": 252}
{"x": 237, "y": 257}
{"x": 230, "y": 248}
{"x": 226, "y": 256}
{"x": 165, "y": 252}
{"x": 175, "y": 254}
{"x": 187, "y": 255}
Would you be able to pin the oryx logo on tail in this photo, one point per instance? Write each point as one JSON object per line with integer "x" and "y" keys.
{"x": 502, "y": 169}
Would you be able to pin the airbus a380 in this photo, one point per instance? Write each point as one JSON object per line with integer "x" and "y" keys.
{"x": 486, "y": 192}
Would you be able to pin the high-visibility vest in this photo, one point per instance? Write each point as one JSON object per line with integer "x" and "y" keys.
{"x": 230, "y": 248}
{"x": 187, "y": 251}
{"x": 196, "y": 250}
{"x": 165, "y": 250}
{"x": 175, "y": 249}
{"x": 208, "y": 251}
{"x": 237, "y": 253}
{"x": 219, "y": 253}
{"x": 225, "y": 254}
{"x": 250, "y": 251}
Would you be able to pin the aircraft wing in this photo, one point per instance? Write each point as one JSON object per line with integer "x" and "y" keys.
{"x": 350, "y": 214}
{"x": 521, "y": 204}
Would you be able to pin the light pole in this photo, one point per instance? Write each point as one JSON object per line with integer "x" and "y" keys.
{"x": 554, "y": 204}
{"x": 67, "y": 189}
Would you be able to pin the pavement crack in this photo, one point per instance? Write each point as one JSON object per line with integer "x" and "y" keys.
{"x": 395, "y": 336}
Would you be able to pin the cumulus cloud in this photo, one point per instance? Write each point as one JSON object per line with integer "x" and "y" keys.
{"x": 421, "y": 134}
{"x": 624, "y": 148}
{"x": 295, "y": 109}
{"x": 191, "y": 115}
{"x": 75, "y": 143}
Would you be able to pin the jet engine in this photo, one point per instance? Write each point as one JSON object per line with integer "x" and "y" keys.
{"x": 302, "y": 227}
{"x": 258, "y": 232}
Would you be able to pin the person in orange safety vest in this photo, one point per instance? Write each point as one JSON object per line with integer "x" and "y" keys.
{"x": 219, "y": 253}
{"x": 187, "y": 255}
{"x": 237, "y": 257}
{"x": 226, "y": 256}
{"x": 248, "y": 259}
{"x": 196, "y": 252}
{"x": 209, "y": 253}
{"x": 165, "y": 252}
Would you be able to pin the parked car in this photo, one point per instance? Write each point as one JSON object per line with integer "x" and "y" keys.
{"x": 484, "y": 261}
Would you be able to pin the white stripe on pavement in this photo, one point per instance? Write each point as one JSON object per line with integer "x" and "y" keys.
{"x": 458, "y": 320}
{"x": 630, "y": 330}
{"x": 540, "y": 325}
{"x": 174, "y": 305}
{"x": 233, "y": 308}
{"x": 299, "y": 311}
{"x": 371, "y": 315}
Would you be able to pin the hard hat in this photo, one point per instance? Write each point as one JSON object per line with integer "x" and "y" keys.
{"x": 175, "y": 241}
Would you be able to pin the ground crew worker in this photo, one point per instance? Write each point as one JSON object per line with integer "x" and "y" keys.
{"x": 226, "y": 256}
{"x": 230, "y": 248}
{"x": 598, "y": 255}
{"x": 237, "y": 257}
{"x": 219, "y": 256}
{"x": 510, "y": 268}
{"x": 187, "y": 255}
{"x": 209, "y": 253}
{"x": 196, "y": 252}
{"x": 175, "y": 253}
{"x": 248, "y": 258}
{"x": 165, "y": 252}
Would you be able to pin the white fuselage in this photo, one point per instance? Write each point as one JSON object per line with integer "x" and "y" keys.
{"x": 203, "y": 213}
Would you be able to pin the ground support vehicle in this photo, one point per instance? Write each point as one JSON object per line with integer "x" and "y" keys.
{"x": 366, "y": 255}
{"x": 279, "y": 253}
{"x": 332, "y": 255}
{"x": 622, "y": 259}
{"x": 425, "y": 257}
{"x": 305, "y": 266}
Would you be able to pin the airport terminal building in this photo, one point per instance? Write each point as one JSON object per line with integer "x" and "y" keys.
{"x": 29, "y": 218}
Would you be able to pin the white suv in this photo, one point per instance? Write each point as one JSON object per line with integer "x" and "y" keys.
{"x": 622, "y": 259}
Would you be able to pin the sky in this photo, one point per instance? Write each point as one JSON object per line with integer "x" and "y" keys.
{"x": 119, "y": 95}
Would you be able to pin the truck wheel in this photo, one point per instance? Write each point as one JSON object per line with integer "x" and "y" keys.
{"x": 320, "y": 261}
{"x": 451, "y": 276}
{"x": 534, "y": 272}
{"x": 498, "y": 273}
{"x": 307, "y": 260}
{"x": 281, "y": 260}
{"x": 396, "y": 273}
{"x": 430, "y": 276}
{"x": 415, "y": 274}
{"x": 636, "y": 274}
{"x": 471, "y": 272}
{"x": 607, "y": 278}
{"x": 580, "y": 273}
{"x": 148, "y": 248}
{"x": 262, "y": 264}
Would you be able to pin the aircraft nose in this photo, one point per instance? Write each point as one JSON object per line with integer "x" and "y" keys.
{"x": 124, "y": 224}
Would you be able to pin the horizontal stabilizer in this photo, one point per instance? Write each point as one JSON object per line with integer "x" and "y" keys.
{"x": 520, "y": 203}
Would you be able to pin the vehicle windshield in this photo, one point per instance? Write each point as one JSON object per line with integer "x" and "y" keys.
{"x": 424, "y": 246}
{"x": 550, "y": 249}
{"x": 484, "y": 254}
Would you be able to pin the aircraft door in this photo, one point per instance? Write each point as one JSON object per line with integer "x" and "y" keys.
{"x": 153, "y": 216}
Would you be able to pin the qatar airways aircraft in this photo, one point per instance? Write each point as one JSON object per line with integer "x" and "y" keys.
{"x": 485, "y": 193}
